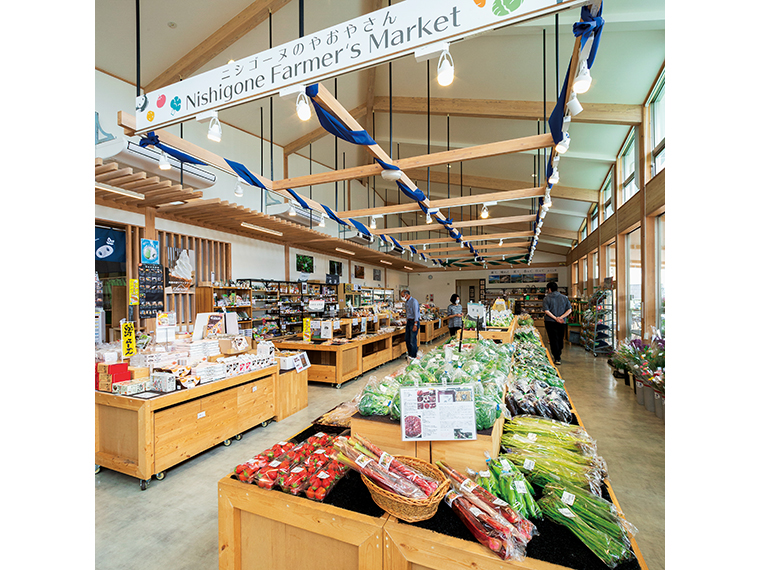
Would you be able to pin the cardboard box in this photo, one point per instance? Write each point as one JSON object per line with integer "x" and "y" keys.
{"x": 139, "y": 372}
{"x": 104, "y": 368}
{"x": 237, "y": 345}
{"x": 104, "y": 386}
{"x": 162, "y": 382}
{"x": 130, "y": 387}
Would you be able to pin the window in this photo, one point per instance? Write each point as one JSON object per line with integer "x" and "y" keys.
{"x": 633, "y": 306}
{"x": 595, "y": 268}
{"x": 584, "y": 276}
{"x": 584, "y": 230}
{"x": 609, "y": 209}
{"x": 660, "y": 237}
{"x": 576, "y": 289}
{"x": 628, "y": 166}
{"x": 594, "y": 218}
{"x": 610, "y": 271}
{"x": 657, "y": 117}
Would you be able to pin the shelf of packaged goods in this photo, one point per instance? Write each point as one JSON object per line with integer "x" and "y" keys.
{"x": 142, "y": 437}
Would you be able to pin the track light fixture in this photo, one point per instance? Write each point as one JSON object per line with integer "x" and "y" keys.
{"x": 582, "y": 81}
{"x": 292, "y": 209}
{"x": 214, "y": 129}
{"x": 163, "y": 162}
{"x": 239, "y": 188}
{"x": 484, "y": 212}
{"x": 564, "y": 144}
{"x": 445, "y": 69}
{"x": 501, "y": 242}
{"x": 321, "y": 220}
{"x": 372, "y": 223}
{"x": 428, "y": 219}
{"x": 302, "y": 107}
{"x": 573, "y": 105}
{"x": 554, "y": 178}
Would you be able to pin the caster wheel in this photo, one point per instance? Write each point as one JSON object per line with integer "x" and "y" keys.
{"x": 226, "y": 442}
{"x": 160, "y": 476}
{"x": 265, "y": 423}
{"x": 97, "y": 469}
{"x": 238, "y": 437}
{"x": 338, "y": 386}
{"x": 144, "y": 484}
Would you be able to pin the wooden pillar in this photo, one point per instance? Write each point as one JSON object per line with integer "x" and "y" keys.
{"x": 151, "y": 233}
{"x": 648, "y": 253}
{"x": 621, "y": 300}
{"x": 287, "y": 263}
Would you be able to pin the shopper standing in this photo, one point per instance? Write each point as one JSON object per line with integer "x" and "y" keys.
{"x": 455, "y": 314}
{"x": 556, "y": 308}
{"x": 412, "y": 323}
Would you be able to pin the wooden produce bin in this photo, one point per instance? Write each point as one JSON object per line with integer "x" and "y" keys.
{"x": 386, "y": 434}
{"x": 398, "y": 344}
{"x": 292, "y": 393}
{"x": 277, "y": 531}
{"x": 493, "y": 334}
{"x": 376, "y": 351}
{"x": 330, "y": 363}
{"x": 142, "y": 438}
{"x": 463, "y": 454}
{"x": 431, "y": 330}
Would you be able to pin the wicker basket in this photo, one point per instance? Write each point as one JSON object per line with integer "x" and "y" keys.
{"x": 410, "y": 510}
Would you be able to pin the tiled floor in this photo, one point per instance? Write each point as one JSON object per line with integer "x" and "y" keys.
{"x": 173, "y": 524}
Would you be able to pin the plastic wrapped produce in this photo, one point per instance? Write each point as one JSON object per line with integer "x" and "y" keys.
{"x": 324, "y": 480}
{"x": 376, "y": 396}
{"x": 510, "y": 485}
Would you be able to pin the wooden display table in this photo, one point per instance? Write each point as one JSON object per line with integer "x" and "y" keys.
{"x": 338, "y": 363}
{"x": 291, "y": 394}
{"x": 142, "y": 438}
{"x": 277, "y": 531}
{"x": 431, "y": 330}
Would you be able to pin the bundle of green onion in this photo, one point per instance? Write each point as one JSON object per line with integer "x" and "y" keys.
{"x": 608, "y": 547}
{"x": 505, "y": 481}
{"x": 559, "y": 434}
{"x": 542, "y": 469}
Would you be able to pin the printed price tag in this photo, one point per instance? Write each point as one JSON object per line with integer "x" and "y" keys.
{"x": 529, "y": 464}
{"x": 385, "y": 460}
{"x": 323, "y": 475}
{"x": 201, "y": 415}
{"x": 476, "y": 511}
{"x": 319, "y": 452}
{"x": 283, "y": 443}
{"x": 275, "y": 463}
{"x": 568, "y": 498}
{"x": 506, "y": 466}
{"x": 500, "y": 503}
{"x": 451, "y": 496}
{"x": 320, "y": 434}
{"x": 296, "y": 469}
{"x": 356, "y": 322}
{"x": 532, "y": 436}
{"x": 362, "y": 460}
{"x": 468, "y": 485}
{"x": 567, "y": 512}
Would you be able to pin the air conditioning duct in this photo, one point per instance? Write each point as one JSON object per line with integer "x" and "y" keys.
{"x": 302, "y": 216}
{"x": 362, "y": 239}
{"x": 393, "y": 249}
{"x": 128, "y": 153}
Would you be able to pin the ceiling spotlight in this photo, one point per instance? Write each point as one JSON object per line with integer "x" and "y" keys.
{"x": 163, "y": 162}
{"x": 239, "y": 188}
{"x": 542, "y": 213}
{"x": 215, "y": 129}
{"x": 554, "y": 178}
{"x": 484, "y": 212}
{"x": 564, "y": 144}
{"x": 302, "y": 107}
{"x": 501, "y": 242}
{"x": 292, "y": 210}
{"x": 321, "y": 220}
{"x": 424, "y": 246}
{"x": 461, "y": 244}
{"x": 428, "y": 218}
{"x": 391, "y": 175}
{"x": 372, "y": 223}
{"x": 445, "y": 69}
{"x": 573, "y": 105}
{"x": 548, "y": 201}
{"x": 504, "y": 257}
{"x": 582, "y": 79}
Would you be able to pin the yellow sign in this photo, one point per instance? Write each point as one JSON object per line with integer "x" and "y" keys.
{"x": 128, "y": 341}
{"x": 134, "y": 291}
{"x": 307, "y": 330}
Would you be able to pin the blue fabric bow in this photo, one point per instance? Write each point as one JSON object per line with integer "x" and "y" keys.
{"x": 298, "y": 199}
{"x": 361, "y": 227}
{"x": 416, "y": 195}
{"x": 386, "y": 165}
{"x": 151, "y": 139}
{"x": 244, "y": 173}
{"x": 334, "y": 125}
{"x": 333, "y": 216}
{"x": 587, "y": 26}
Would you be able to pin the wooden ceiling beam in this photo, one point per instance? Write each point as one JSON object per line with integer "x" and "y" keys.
{"x": 247, "y": 20}
{"x": 462, "y": 224}
{"x": 476, "y": 239}
{"x": 446, "y": 203}
{"x": 597, "y": 113}
{"x": 318, "y": 133}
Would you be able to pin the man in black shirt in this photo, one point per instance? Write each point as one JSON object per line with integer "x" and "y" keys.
{"x": 556, "y": 308}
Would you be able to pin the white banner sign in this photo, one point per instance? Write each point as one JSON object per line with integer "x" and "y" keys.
{"x": 365, "y": 41}
{"x": 438, "y": 413}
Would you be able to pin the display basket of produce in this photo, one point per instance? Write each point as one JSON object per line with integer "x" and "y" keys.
{"x": 406, "y": 509}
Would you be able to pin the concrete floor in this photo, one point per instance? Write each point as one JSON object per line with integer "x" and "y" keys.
{"x": 173, "y": 524}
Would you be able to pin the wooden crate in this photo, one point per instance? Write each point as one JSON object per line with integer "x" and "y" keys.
{"x": 273, "y": 530}
{"x": 386, "y": 434}
{"x": 463, "y": 454}
{"x": 292, "y": 393}
{"x": 331, "y": 364}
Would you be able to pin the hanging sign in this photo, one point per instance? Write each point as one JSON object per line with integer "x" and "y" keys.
{"x": 134, "y": 291}
{"x": 110, "y": 245}
{"x": 128, "y": 341}
{"x": 149, "y": 251}
{"x": 366, "y": 41}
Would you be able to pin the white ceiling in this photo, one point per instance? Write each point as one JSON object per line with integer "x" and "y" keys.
{"x": 505, "y": 64}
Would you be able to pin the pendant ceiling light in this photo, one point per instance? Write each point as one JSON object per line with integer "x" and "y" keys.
{"x": 215, "y": 129}
{"x": 582, "y": 81}
{"x": 303, "y": 109}
{"x": 321, "y": 220}
{"x": 292, "y": 210}
{"x": 163, "y": 162}
{"x": 239, "y": 188}
{"x": 445, "y": 69}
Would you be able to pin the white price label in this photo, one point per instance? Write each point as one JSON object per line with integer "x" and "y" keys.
{"x": 254, "y": 388}
{"x": 296, "y": 469}
{"x": 319, "y": 452}
{"x": 476, "y": 511}
{"x": 362, "y": 460}
{"x": 532, "y": 436}
{"x": 506, "y": 466}
{"x": 529, "y": 464}
{"x": 385, "y": 460}
{"x": 323, "y": 475}
{"x": 567, "y": 512}
{"x": 520, "y": 487}
{"x": 500, "y": 503}
{"x": 201, "y": 415}
{"x": 451, "y": 496}
{"x": 283, "y": 443}
{"x": 468, "y": 485}
{"x": 568, "y": 498}
{"x": 275, "y": 463}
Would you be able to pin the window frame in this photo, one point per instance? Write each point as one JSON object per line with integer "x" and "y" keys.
{"x": 657, "y": 148}
{"x": 608, "y": 203}
{"x": 629, "y": 149}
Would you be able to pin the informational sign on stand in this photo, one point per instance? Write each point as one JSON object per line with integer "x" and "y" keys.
{"x": 128, "y": 341}
{"x": 166, "y": 326}
{"x": 438, "y": 413}
{"x": 316, "y": 304}
{"x": 302, "y": 362}
{"x": 307, "y": 330}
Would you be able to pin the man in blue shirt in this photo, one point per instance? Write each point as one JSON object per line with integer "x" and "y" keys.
{"x": 556, "y": 308}
{"x": 412, "y": 323}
